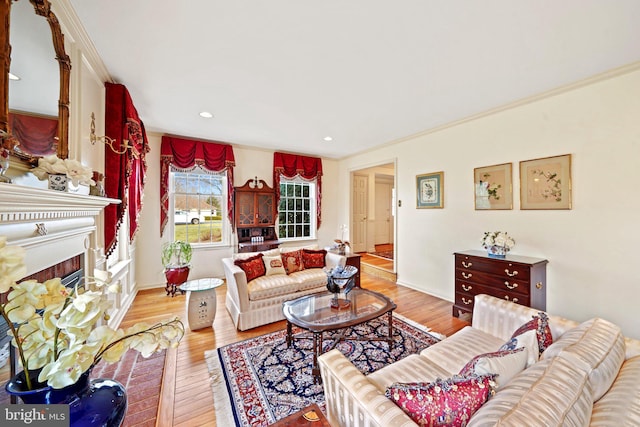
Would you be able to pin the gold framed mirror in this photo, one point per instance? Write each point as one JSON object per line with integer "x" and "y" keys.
{"x": 42, "y": 9}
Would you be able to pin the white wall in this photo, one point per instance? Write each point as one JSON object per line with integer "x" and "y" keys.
{"x": 592, "y": 249}
{"x": 206, "y": 262}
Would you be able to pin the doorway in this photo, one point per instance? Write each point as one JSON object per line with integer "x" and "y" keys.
{"x": 373, "y": 219}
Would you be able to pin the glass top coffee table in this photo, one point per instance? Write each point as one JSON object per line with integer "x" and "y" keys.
{"x": 315, "y": 314}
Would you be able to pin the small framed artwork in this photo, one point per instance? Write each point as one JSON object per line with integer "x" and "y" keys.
{"x": 546, "y": 183}
{"x": 493, "y": 187}
{"x": 430, "y": 190}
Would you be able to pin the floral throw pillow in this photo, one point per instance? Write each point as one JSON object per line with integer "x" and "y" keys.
{"x": 449, "y": 402}
{"x": 314, "y": 259}
{"x": 506, "y": 364}
{"x": 253, "y": 267}
{"x": 292, "y": 261}
{"x": 535, "y": 336}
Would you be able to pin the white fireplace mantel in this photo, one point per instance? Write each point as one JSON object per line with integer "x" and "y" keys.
{"x": 51, "y": 226}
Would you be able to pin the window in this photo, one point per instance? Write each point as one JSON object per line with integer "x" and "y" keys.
{"x": 199, "y": 207}
{"x": 297, "y": 209}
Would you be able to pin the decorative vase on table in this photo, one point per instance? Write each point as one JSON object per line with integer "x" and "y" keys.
{"x": 97, "y": 402}
{"x": 497, "y": 251}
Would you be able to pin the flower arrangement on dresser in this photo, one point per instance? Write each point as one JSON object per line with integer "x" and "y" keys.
{"x": 56, "y": 329}
{"x": 497, "y": 243}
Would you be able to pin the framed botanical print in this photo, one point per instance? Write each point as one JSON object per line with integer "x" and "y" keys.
{"x": 546, "y": 183}
{"x": 493, "y": 187}
{"x": 430, "y": 190}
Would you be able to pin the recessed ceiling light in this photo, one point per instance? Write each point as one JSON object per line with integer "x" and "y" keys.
{"x": 13, "y": 77}
{"x": 328, "y": 138}
{"x": 206, "y": 114}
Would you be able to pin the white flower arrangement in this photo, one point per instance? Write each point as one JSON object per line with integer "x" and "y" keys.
{"x": 497, "y": 238}
{"x": 55, "y": 329}
{"x": 73, "y": 169}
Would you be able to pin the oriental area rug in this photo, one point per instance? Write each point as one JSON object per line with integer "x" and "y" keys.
{"x": 260, "y": 380}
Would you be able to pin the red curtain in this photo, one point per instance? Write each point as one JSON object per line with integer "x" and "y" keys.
{"x": 186, "y": 154}
{"x": 124, "y": 173}
{"x": 292, "y": 165}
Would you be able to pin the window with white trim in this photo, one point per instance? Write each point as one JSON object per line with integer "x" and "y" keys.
{"x": 199, "y": 201}
{"x": 297, "y": 209}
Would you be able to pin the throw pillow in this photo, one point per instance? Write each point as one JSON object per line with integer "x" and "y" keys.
{"x": 535, "y": 336}
{"x": 314, "y": 259}
{"x": 506, "y": 364}
{"x": 273, "y": 265}
{"x": 253, "y": 267}
{"x": 292, "y": 261}
{"x": 449, "y": 402}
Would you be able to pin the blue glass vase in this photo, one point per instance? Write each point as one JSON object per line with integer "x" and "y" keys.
{"x": 98, "y": 402}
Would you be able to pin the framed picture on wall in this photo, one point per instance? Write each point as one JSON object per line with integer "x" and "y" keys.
{"x": 430, "y": 190}
{"x": 493, "y": 187}
{"x": 546, "y": 183}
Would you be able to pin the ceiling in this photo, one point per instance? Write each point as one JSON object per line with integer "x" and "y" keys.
{"x": 284, "y": 74}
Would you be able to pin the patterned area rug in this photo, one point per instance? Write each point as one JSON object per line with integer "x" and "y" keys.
{"x": 259, "y": 381}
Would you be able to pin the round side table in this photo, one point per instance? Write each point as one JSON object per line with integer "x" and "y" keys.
{"x": 201, "y": 301}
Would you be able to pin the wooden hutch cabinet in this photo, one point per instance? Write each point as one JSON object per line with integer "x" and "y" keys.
{"x": 515, "y": 278}
{"x": 255, "y": 216}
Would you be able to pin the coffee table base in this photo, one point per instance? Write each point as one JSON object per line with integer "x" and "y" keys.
{"x": 317, "y": 342}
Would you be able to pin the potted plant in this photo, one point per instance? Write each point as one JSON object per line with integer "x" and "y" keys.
{"x": 176, "y": 259}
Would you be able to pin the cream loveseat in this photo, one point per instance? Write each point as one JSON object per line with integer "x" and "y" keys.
{"x": 589, "y": 376}
{"x": 259, "y": 301}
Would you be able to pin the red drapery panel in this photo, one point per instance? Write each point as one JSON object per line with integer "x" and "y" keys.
{"x": 37, "y": 135}
{"x": 186, "y": 154}
{"x": 124, "y": 173}
{"x": 292, "y": 165}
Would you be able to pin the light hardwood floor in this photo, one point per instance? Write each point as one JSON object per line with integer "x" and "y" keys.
{"x": 186, "y": 397}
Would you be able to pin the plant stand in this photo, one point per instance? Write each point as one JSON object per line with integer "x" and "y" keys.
{"x": 175, "y": 277}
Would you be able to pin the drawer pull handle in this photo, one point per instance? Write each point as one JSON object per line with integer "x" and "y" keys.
{"x": 507, "y": 298}
{"x": 466, "y": 301}
{"x": 510, "y": 286}
{"x": 539, "y": 285}
{"x": 466, "y": 276}
{"x": 510, "y": 274}
{"x": 467, "y": 264}
{"x": 466, "y": 287}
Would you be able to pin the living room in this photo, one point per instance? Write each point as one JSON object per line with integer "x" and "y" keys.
{"x": 590, "y": 247}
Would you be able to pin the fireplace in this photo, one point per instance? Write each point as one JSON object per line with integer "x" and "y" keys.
{"x": 61, "y": 232}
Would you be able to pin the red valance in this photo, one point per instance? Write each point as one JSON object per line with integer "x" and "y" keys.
{"x": 124, "y": 173}
{"x": 186, "y": 154}
{"x": 293, "y": 165}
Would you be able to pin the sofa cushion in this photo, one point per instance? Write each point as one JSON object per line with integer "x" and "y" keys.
{"x": 413, "y": 368}
{"x": 535, "y": 336}
{"x": 505, "y": 364}
{"x": 292, "y": 261}
{"x": 265, "y": 287}
{"x": 552, "y": 392}
{"x": 621, "y": 405}
{"x": 310, "y": 278}
{"x": 245, "y": 255}
{"x": 449, "y": 402}
{"x": 314, "y": 258}
{"x": 600, "y": 344}
{"x": 454, "y": 352}
{"x": 273, "y": 265}
{"x": 253, "y": 267}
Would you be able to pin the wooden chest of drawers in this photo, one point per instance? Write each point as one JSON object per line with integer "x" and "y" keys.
{"x": 515, "y": 278}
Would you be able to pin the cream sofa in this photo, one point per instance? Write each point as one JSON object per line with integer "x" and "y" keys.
{"x": 589, "y": 376}
{"x": 259, "y": 301}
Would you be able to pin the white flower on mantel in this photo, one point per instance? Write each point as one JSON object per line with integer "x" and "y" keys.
{"x": 73, "y": 169}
